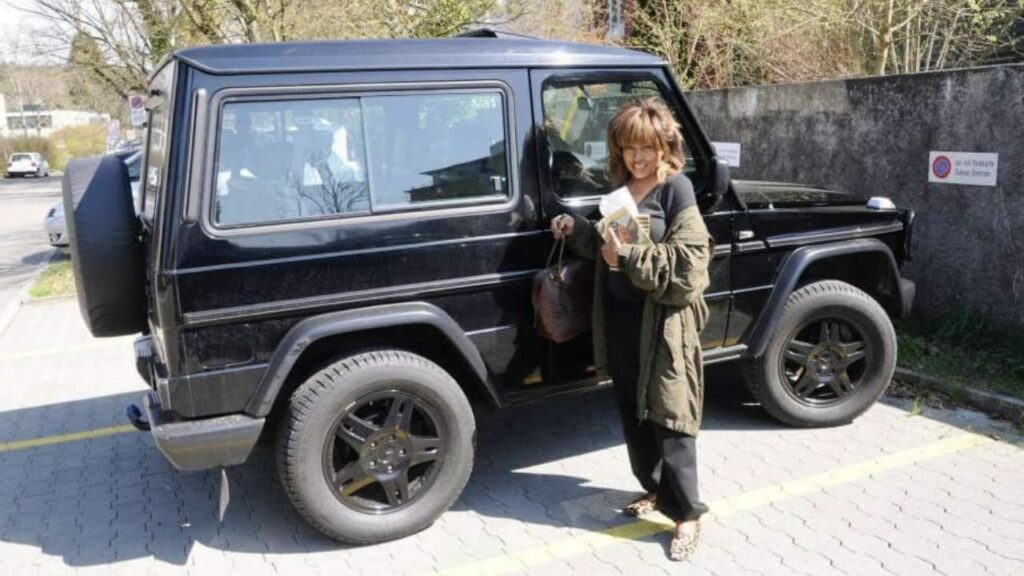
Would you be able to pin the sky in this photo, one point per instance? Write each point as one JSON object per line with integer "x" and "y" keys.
{"x": 14, "y": 23}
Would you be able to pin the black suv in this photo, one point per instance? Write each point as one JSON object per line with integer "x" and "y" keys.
{"x": 340, "y": 238}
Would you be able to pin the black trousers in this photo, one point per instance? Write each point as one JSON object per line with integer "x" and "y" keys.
{"x": 663, "y": 460}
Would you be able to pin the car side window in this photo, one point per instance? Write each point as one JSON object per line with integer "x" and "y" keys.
{"x": 436, "y": 148}
{"x": 293, "y": 160}
{"x": 576, "y": 117}
{"x": 289, "y": 160}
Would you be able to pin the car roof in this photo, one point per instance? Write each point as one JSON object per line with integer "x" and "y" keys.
{"x": 465, "y": 52}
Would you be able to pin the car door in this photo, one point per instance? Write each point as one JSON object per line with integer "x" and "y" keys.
{"x": 572, "y": 109}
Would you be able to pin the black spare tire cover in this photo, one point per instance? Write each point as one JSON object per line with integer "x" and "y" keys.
{"x": 107, "y": 256}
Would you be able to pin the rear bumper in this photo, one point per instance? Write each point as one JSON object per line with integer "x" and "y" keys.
{"x": 205, "y": 443}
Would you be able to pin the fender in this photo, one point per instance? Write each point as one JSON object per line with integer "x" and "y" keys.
{"x": 794, "y": 267}
{"x": 308, "y": 331}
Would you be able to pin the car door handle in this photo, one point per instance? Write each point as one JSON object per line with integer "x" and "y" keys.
{"x": 744, "y": 234}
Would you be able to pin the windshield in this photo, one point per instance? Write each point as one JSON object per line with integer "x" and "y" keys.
{"x": 20, "y": 157}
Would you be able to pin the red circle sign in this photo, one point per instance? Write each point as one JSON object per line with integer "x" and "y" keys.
{"x": 941, "y": 166}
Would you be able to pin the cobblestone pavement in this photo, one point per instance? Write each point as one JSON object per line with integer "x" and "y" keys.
{"x": 893, "y": 493}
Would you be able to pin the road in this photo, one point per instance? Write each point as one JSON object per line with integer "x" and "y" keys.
{"x": 23, "y": 244}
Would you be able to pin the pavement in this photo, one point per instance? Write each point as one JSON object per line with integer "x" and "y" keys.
{"x": 24, "y": 249}
{"x": 904, "y": 490}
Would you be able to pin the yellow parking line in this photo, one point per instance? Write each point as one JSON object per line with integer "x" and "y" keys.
{"x": 62, "y": 438}
{"x": 59, "y": 350}
{"x": 529, "y": 557}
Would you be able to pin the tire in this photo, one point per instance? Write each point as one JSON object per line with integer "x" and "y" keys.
{"x": 830, "y": 358}
{"x": 106, "y": 254}
{"x": 354, "y": 397}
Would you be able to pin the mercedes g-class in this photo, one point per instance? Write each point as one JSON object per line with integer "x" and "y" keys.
{"x": 340, "y": 237}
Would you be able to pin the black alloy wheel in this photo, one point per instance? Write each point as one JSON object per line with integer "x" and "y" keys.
{"x": 830, "y": 358}
{"x": 375, "y": 446}
{"x": 824, "y": 361}
{"x": 385, "y": 452}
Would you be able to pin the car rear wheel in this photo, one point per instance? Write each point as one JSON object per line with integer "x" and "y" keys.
{"x": 830, "y": 358}
{"x": 376, "y": 446}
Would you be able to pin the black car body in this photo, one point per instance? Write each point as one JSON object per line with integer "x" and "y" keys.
{"x": 303, "y": 203}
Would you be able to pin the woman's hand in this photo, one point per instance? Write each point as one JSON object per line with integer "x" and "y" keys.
{"x": 562, "y": 226}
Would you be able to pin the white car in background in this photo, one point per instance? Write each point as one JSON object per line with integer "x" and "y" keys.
{"x": 25, "y": 163}
{"x": 54, "y": 224}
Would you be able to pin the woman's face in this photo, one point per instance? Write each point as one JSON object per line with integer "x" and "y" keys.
{"x": 642, "y": 160}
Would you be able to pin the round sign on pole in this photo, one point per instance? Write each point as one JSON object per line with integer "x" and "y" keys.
{"x": 137, "y": 109}
{"x": 941, "y": 167}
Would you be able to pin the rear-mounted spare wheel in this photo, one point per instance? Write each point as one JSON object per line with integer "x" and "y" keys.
{"x": 107, "y": 256}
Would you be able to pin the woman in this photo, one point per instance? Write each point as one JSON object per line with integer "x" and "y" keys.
{"x": 648, "y": 313}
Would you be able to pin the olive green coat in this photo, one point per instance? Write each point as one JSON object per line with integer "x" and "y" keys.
{"x": 674, "y": 273}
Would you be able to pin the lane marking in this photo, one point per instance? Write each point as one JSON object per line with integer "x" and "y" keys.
{"x": 529, "y": 557}
{"x": 62, "y": 438}
{"x": 60, "y": 350}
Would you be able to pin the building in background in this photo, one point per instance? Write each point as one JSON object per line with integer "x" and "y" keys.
{"x": 42, "y": 122}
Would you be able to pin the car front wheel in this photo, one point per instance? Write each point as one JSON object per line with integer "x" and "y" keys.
{"x": 830, "y": 358}
{"x": 376, "y": 446}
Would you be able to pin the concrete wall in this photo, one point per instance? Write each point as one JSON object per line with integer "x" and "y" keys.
{"x": 872, "y": 137}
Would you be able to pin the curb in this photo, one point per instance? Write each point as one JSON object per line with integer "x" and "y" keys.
{"x": 997, "y": 404}
{"x": 11, "y": 310}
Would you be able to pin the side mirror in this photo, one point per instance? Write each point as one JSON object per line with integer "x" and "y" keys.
{"x": 717, "y": 189}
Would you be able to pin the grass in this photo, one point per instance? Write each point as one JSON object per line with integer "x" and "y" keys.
{"x": 965, "y": 348}
{"x": 57, "y": 280}
{"x": 918, "y": 406}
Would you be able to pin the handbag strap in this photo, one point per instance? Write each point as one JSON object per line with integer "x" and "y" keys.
{"x": 560, "y": 245}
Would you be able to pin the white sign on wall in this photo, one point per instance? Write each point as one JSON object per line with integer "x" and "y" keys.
{"x": 728, "y": 151}
{"x": 137, "y": 107}
{"x": 973, "y": 168}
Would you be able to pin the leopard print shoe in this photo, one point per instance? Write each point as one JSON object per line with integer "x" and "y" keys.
{"x": 683, "y": 547}
{"x": 641, "y": 506}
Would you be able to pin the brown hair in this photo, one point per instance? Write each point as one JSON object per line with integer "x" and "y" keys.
{"x": 647, "y": 122}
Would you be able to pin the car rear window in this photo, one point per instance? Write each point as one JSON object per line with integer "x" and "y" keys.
{"x": 158, "y": 128}
{"x": 289, "y": 160}
{"x": 20, "y": 157}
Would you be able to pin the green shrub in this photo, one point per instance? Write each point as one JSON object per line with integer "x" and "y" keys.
{"x": 14, "y": 144}
{"x": 77, "y": 142}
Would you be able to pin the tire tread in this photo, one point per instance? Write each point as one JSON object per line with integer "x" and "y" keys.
{"x": 298, "y": 411}
{"x": 753, "y": 369}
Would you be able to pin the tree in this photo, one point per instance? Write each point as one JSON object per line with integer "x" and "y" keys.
{"x": 713, "y": 44}
{"x": 902, "y": 36}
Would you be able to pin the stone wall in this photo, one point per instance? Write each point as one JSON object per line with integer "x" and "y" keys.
{"x": 872, "y": 136}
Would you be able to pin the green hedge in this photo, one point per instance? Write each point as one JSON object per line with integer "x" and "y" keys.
{"x": 77, "y": 142}
{"x": 63, "y": 145}
{"x": 9, "y": 146}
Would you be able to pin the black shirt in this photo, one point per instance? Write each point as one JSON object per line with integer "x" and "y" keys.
{"x": 663, "y": 204}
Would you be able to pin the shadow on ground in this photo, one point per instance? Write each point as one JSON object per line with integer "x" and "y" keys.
{"x": 115, "y": 498}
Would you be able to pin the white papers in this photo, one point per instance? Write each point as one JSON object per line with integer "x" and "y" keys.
{"x": 616, "y": 199}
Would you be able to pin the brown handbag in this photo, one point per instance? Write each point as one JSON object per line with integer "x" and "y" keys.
{"x": 563, "y": 296}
